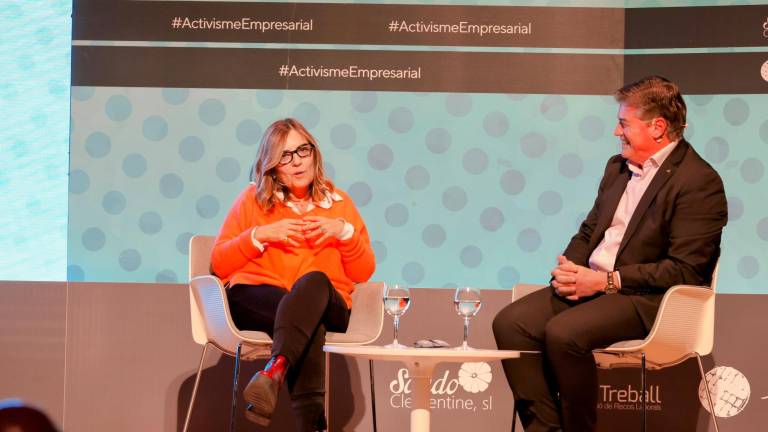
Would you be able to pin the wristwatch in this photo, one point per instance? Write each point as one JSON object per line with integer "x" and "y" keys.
{"x": 610, "y": 287}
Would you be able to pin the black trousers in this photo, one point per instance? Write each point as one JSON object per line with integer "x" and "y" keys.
{"x": 558, "y": 390}
{"x": 297, "y": 321}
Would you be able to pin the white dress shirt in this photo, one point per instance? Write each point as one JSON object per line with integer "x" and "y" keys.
{"x": 603, "y": 258}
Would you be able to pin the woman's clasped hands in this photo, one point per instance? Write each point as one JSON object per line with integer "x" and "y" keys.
{"x": 315, "y": 230}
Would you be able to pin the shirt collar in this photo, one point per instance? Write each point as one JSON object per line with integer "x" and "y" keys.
{"x": 326, "y": 202}
{"x": 654, "y": 161}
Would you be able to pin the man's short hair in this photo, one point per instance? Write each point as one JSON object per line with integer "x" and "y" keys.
{"x": 655, "y": 96}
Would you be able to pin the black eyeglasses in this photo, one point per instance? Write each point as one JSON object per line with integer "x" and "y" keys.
{"x": 303, "y": 151}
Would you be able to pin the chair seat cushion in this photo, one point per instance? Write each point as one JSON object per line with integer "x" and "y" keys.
{"x": 627, "y": 344}
{"x": 255, "y": 337}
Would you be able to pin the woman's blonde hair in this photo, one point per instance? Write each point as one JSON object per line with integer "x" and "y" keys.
{"x": 271, "y": 150}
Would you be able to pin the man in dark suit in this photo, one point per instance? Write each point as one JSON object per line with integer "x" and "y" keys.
{"x": 656, "y": 222}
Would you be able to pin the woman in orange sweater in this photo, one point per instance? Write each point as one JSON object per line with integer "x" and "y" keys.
{"x": 290, "y": 250}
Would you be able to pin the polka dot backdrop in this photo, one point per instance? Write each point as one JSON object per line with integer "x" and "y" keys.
{"x": 34, "y": 128}
{"x": 456, "y": 189}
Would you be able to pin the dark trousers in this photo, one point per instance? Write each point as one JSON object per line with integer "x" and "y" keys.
{"x": 558, "y": 390}
{"x": 297, "y": 321}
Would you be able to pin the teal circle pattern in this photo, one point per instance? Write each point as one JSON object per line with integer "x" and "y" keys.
{"x": 380, "y": 157}
{"x": 401, "y": 120}
{"x": 736, "y": 111}
{"x": 417, "y": 177}
{"x": 361, "y": 193}
{"x": 75, "y": 273}
{"x": 118, "y": 108}
{"x": 529, "y": 240}
{"x": 308, "y": 114}
{"x": 379, "y": 250}
{"x": 438, "y": 140}
{"x": 129, "y": 260}
{"x": 475, "y": 161}
{"x": 507, "y": 277}
{"x": 182, "y": 243}
{"x": 396, "y": 215}
{"x": 171, "y": 186}
{"x": 166, "y": 276}
{"x": 228, "y": 169}
{"x": 458, "y": 104}
{"x": 492, "y": 219}
{"x": 94, "y": 239}
{"x": 114, "y": 202}
{"x": 762, "y": 229}
{"x": 454, "y": 198}
{"x": 150, "y": 222}
{"x": 134, "y": 165}
{"x": 438, "y": 178}
{"x": 343, "y": 136}
{"x": 413, "y": 273}
{"x": 512, "y": 182}
{"x": 175, "y": 96}
{"x": 496, "y": 124}
{"x": 433, "y": 235}
{"x": 191, "y": 149}
{"x": 269, "y": 99}
{"x": 79, "y": 181}
{"x": 717, "y": 149}
{"x": 212, "y": 112}
{"x": 207, "y": 206}
{"x": 155, "y": 128}
{"x": 364, "y": 102}
{"x": 249, "y": 132}
{"x": 98, "y": 145}
{"x": 471, "y": 256}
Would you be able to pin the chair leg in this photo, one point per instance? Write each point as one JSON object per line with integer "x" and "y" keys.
{"x": 644, "y": 386}
{"x": 373, "y": 394}
{"x": 326, "y": 397}
{"x": 709, "y": 397}
{"x": 234, "y": 388}
{"x": 514, "y": 415}
{"x": 194, "y": 389}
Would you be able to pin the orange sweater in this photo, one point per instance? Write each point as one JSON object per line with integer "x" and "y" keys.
{"x": 237, "y": 260}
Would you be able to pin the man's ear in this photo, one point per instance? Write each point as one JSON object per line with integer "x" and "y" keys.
{"x": 660, "y": 126}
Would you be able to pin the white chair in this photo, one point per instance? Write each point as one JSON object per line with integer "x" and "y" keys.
{"x": 212, "y": 324}
{"x": 684, "y": 328}
{"x": 521, "y": 290}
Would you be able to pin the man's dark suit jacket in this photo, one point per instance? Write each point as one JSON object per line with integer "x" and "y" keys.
{"x": 673, "y": 236}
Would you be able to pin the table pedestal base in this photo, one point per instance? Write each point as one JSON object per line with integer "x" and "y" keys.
{"x": 420, "y": 373}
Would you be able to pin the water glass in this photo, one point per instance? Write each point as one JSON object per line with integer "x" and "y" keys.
{"x": 467, "y": 302}
{"x": 397, "y": 299}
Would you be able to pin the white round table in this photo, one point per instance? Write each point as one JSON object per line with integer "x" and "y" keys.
{"x": 420, "y": 363}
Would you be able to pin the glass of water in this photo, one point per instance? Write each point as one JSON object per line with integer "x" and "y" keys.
{"x": 467, "y": 302}
{"x": 397, "y": 299}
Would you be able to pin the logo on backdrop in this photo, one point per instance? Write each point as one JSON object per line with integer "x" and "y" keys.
{"x": 729, "y": 390}
{"x": 461, "y": 390}
{"x": 628, "y": 398}
{"x": 764, "y": 70}
{"x": 765, "y": 28}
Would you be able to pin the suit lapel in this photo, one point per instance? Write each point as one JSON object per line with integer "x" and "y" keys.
{"x": 610, "y": 200}
{"x": 665, "y": 172}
